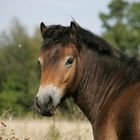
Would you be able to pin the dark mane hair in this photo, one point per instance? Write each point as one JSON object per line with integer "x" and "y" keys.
{"x": 61, "y": 33}
{"x": 57, "y": 33}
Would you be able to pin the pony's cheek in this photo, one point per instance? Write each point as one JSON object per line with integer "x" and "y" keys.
{"x": 68, "y": 78}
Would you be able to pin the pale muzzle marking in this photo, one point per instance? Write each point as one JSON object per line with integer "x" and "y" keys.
{"x": 49, "y": 91}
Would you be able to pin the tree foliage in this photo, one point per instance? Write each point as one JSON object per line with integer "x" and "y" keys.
{"x": 122, "y": 25}
{"x": 18, "y": 68}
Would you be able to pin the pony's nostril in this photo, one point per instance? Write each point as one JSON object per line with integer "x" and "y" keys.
{"x": 50, "y": 100}
{"x": 36, "y": 100}
{"x": 49, "y": 105}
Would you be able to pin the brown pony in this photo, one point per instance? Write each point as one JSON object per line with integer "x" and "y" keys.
{"x": 104, "y": 82}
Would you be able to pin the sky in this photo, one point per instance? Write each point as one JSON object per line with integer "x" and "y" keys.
{"x": 31, "y": 12}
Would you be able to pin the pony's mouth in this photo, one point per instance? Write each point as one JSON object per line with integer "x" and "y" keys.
{"x": 46, "y": 112}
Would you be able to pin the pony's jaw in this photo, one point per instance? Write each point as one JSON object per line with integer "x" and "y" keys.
{"x": 47, "y": 99}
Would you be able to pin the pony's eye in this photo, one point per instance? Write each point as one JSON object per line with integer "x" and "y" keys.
{"x": 69, "y": 61}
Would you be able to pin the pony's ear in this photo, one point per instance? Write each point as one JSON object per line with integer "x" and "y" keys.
{"x": 73, "y": 27}
{"x": 42, "y": 29}
{"x": 73, "y": 31}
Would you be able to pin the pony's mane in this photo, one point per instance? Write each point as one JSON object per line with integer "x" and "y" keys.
{"x": 59, "y": 33}
{"x": 56, "y": 33}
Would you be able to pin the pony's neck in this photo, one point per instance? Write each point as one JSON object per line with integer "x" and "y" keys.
{"x": 101, "y": 79}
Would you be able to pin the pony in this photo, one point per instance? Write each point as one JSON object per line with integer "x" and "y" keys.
{"x": 104, "y": 82}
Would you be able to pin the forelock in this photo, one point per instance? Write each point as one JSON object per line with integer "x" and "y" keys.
{"x": 56, "y": 31}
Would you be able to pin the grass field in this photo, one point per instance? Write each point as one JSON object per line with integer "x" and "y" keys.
{"x": 45, "y": 129}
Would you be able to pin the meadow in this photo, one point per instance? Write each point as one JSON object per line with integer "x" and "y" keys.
{"x": 45, "y": 129}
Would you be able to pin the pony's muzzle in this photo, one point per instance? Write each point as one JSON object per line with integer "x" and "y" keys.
{"x": 47, "y": 99}
{"x": 45, "y": 109}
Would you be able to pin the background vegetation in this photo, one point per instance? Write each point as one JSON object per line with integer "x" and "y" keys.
{"x": 20, "y": 73}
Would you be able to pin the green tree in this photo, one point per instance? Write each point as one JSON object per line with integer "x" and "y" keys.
{"x": 122, "y": 25}
{"x": 18, "y": 68}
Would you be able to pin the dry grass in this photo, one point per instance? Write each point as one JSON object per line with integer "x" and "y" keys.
{"x": 45, "y": 130}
